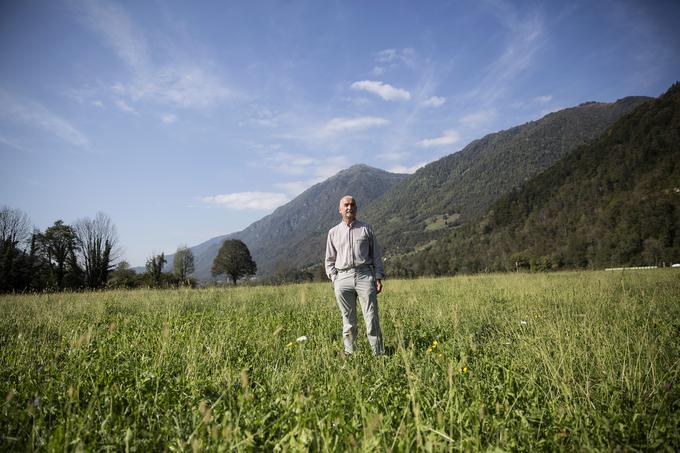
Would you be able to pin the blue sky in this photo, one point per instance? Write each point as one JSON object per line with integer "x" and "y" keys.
{"x": 187, "y": 120}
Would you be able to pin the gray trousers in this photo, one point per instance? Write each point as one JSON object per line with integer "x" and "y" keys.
{"x": 348, "y": 286}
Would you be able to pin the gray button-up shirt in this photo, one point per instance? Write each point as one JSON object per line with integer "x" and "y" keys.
{"x": 352, "y": 246}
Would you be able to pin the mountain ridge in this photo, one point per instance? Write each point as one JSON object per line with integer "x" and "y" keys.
{"x": 408, "y": 211}
{"x": 463, "y": 184}
{"x": 301, "y": 224}
{"x": 614, "y": 201}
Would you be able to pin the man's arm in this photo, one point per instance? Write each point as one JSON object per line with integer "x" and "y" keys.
{"x": 377, "y": 263}
{"x": 331, "y": 255}
{"x": 377, "y": 258}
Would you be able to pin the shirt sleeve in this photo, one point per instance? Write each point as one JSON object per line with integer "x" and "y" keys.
{"x": 331, "y": 255}
{"x": 377, "y": 258}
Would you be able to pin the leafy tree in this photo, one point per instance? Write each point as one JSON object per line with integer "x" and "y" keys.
{"x": 183, "y": 263}
{"x": 59, "y": 244}
{"x": 234, "y": 260}
{"x": 154, "y": 266}
{"x": 122, "y": 276}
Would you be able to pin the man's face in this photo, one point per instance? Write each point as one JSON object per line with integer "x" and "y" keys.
{"x": 348, "y": 208}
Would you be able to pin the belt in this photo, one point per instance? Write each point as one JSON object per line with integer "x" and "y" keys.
{"x": 360, "y": 267}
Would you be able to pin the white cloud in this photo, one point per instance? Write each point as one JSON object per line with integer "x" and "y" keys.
{"x": 182, "y": 83}
{"x": 479, "y": 119}
{"x": 37, "y": 116}
{"x": 168, "y": 118}
{"x": 378, "y": 71}
{"x": 434, "y": 101}
{"x": 384, "y": 90}
{"x": 13, "y": 144}
{"x": 124, "y": 106}
{"x": 307, "y": 170}
{"x": 98, "y": 103}
{"x": 111, "y": 22}
{"x": 295, "y": 188}
{"x": 449, "y": 138}
{"x": 394, "y": 155}
{"x": 543, "y": 99}
{"x": 288, "y": 163}
{"x": 404, "y": 169}
{"x": 393, "y": 58}
{"x": 523, "y": 39}
{"x": 341, "y": 125}
{"x": 386, "y": 56}
{"x": 248, "y": 200}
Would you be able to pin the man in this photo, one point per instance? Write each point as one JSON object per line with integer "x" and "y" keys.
{"x": 354, "y": 264}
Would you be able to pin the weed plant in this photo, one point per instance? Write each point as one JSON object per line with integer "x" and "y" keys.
{"x": 563, "y": 361}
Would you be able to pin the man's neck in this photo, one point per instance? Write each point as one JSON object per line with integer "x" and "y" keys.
{"x": 348, "y": 222}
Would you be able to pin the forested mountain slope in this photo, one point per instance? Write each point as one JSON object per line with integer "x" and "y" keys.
{"x": 612, "y": 202}
{"x": 460, "y": 187}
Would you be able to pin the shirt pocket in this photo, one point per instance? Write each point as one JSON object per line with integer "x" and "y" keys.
{"x": 362, "y": 246}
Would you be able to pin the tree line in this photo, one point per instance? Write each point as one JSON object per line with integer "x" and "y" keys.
{"x": 86, "y": 255}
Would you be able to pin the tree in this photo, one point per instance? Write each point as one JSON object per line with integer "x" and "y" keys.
{"x": 154, "y": 267}
{"x": 183, "y": 263}
{"x": 15, "y": 227}
{"x": 58, "y": 245}
{"x": 15, "y": 232}
{"x": 122, "y": 276}
{"x": 97, "y": 246}
{"x": 234, "y": 260}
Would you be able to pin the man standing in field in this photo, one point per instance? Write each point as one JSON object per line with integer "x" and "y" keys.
{"x": 354, "y": 264}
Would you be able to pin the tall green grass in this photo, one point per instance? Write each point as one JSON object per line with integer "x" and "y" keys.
{"x": 566, "y": 361}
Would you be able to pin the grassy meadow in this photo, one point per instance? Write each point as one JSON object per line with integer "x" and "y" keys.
{"x": 563, "y": 361}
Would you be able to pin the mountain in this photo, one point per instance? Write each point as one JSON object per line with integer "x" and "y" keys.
{"x": 613, "y": 202}
{"x": 294, "y": 235}
{"x": 458, "y": 188}
{"x": 409, "y": 211}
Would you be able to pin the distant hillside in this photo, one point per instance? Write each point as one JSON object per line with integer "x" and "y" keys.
{"x": 613, "y": 202}
{"x": 460, "y": 187}
{"x": 294, "y": 235}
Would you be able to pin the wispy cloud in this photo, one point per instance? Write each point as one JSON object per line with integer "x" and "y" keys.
{"x": 448, "y": 138}
{"x": 407, "y": 169}
{"x": 391, "y": 58}
{"x": 384, "y": 90}
{"x": 394, "y": 155}
{"x": 168, "y": 118}
{"x": 343, "y": 125}
{"x": 118, "y": 31}
{"x": 13, "y": 144}
{"x": 294, "y": 188}
{"x": 523, "y": 40}
{"x": 185, "y": 83}
{"x": 248, "y": 200}
{"x": 307, "y": 170}
{"x": 434, "y": 101}
{"x": 543, "y": 99}
{"x": 479, "y": 119}
{"x": 37, "y": 116}
{"x": 122, "y": 105}
{"x": 289, "y": 163}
